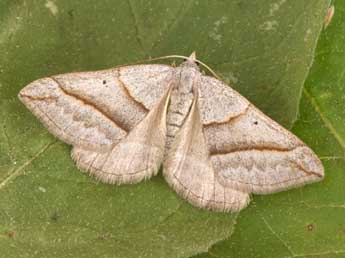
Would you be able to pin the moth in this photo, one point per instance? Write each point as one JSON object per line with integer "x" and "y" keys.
{"x": 216, "y": 147}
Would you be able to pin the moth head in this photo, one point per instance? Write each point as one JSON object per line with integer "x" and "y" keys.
{"x": 191, "y": 61}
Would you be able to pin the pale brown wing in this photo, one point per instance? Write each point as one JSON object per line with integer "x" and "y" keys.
{"x": 95, "y": 110}
{"x": 136, "y": 157}
{"x": 189, "y": 171}
{"x": 248, "y": 150}
{"x": 115, "y": 119}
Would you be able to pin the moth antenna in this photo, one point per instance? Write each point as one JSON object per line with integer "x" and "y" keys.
{"x": 208, "y": 68}
{"x": 192, "y": 57}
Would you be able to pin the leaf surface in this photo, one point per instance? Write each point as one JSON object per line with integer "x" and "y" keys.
{"x": 47, "y": 207}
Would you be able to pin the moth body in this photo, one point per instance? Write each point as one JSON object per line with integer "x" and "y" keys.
{"x": 185, "y": 79}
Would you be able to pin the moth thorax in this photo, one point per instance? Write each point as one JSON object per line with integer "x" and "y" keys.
{"x": 188, "y": 78}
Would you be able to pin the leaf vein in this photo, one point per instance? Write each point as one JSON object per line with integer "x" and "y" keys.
{"x": 325, "y": 120}
{"x": 184, "y": 8}
{"x": 136, "y": 26}
{"x": 277, "y": 236}
{"x": 18, "y": 171}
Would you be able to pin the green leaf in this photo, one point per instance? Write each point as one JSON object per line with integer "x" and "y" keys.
{"x": 307, "y": 222}
{"x": 47, "y": 207}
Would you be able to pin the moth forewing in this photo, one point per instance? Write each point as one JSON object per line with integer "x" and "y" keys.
{"x": 189, "y": 172}
{"x": 252, "y": 153}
